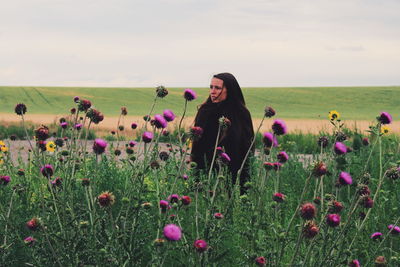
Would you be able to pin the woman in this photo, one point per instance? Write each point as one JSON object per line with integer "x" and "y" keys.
{"x": 225, "y": 99}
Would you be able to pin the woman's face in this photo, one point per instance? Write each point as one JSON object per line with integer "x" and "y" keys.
{"x": 218, "y": 91}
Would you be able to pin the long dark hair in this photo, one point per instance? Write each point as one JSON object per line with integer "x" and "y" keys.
{"x": 235, "y": 95}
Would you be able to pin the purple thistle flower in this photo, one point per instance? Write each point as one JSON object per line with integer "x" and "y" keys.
{"x": 29, "y": 241}
{"x": 20, "y": 109}
{"x": 159, "y": 121}
{"x": 224, "y": 158}
{"x": 189, "y": 94}
{"x": 395, "y": 230}
{"x": 354, "y": 263}
{"x": 174, "y": 198}
{"x": 132, "y": 143}
{"x": 47, "y": 170}
{"x": 200, "y": 245}
{"x": 76, "y": 99}
{"x": 147, "y": 137}
{"x": 134, "y": 125}
{"x": 279, "y": 127}
{"x": 99, "y": 146}
{"x": 345, "y": 178}
{"x": 333, "y": 220}
{"x": 168, "y": 115}
{"x": 164, "y": 205}
{"x": 340, "y": 148}
{"x": 270, "y": 140}
{"x": 185, "y": 177}
{"x": 172, "y": 232}
{"x": 385, "y": 118}
{"x": 376, "y": 236}
{"x": 78, "y": 126}
{"x": 277, "y": 166}
{"x": 282, "y": 157}
{"x": 64, "y": 125}
{"x": 5, "y": 179}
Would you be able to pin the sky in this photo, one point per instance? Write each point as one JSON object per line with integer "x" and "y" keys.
{"x": 182, "y": 43}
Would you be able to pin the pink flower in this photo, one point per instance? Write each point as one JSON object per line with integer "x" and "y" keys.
{"x": 186, "y": 200}
{"x": 47, "y": 170}
{"x": 385, "y": 118}
{"x": 340, "y": 148}
{"x": 261, "y": 261}
{"x": 99, "y": 146}
{"x": 5, "y": 179}
{"x": 333, "y": 220}
{"x": 354, "y": 263}
{"x": 168, "y": 115}
{"x": 278, "y": 197}
{"x": 64, "y": 125}
{"x": 282, "y": 157}
{"x": 174, "y": 198}
{"x": 395, "y": 230}
{"x": 218, "y": 216}
{"x": 147, "y": 137}
{"x": 279, "y": 127}
{"x": 270, "y": 140}
{"x": 134, "y": 125}
{"x": 200, "y": 245}
{"x": 29, "y": 241}
{"x": 345, "y": 178}
{"x": 224, "y": 158}
{"x": 160, "y": 122}
{"x": 376, "y": 235}
{"x": 189, "y": 94}
{"x": 172, "y": 232}
{"x": 308, "y": 211}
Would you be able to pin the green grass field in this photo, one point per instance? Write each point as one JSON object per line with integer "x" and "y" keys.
{"x": 358, "y": 103}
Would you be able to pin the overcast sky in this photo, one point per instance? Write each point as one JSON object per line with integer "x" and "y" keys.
{"x": 183, "y": 42}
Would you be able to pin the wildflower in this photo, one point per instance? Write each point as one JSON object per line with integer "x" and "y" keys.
{"x": 147, "y": 137}
{"x": 51, "y": 146}
{"x": 134, "y": 125}
{"x": 340, "y": 148}
{"x": 186, "y": 200}
{"x": 218, "y": 216}
{"x": 308, "y": 211}
{"x": 269, "y": 112}
{"x": 154, "y": 164}
{"x": 20, "y": 109}
{"x": 279, "y": 127}
{"x": 64, "y": 125}
{"x": 185, "y": 177}
{"x": 394, "y": 230}
{"x": 168, "y": 115}
{"x": 224, "y": 158}
{"x": 146, "y": 118}
{"x": 269, "y": 165}
{"x": 146, "y": 205}
{"x": 42, "y": 145}
{"x": 334, "y": 115}
{"x": 270, "y": 140}
{"x": 163, "y": 155}
{"x": 29, "y": 241}
{"x": 310, "y": 229}
{"x": 76, "y": 99}
{"x": 164, "y": 205}
{"x": 129, "y": 151}
{"x": 364, "y": 190}
{"x": 323, "y": 141}
{"x": 106, "y": 199}
{"x": 72, "y": 111}
{"x": 159, "y": 121}
{"x": 21, "y": 172}
{"x": 385, "y": 130}
{"x": 380, "y": 261}
{"x": 84, "y": 105}
{"x": 47, "y": 170}
{"x": 196, "y": 132}
{"x": 42, "y": 133}
{"x": 200, "y": 245}
{"x": 376, "y": 236}
{"x": 113, "y": 132}
{"x": 354, "y": 263}
{"x": 124, "y": 111}
{"x": 367, "y": 202}
{"x": 165, "y": 132}
{"x": 340, "y": 136}
{"x": 345, "y": 178}
{"x": 385, "y": 118}
{"x": 132, "y": 143}
{"x": 319, "y": 169}
{"x": 282, "y": 157}
{"x": 279, "y": 197}
{"x": 59, "y": 142}
{"x": 117, "y": 152}
{"x": 365, "y": 141}
{"x": 261, "y": 261}
{"x": 317, "y": 200}
{"x": 57, "y": 182}
{"x": 4, "y": 179}
{"x": 174, "y": 198}
{"x": 161, "y": 91}
{"x": 159, "y": 242}
{"x": 33, "y": 224}
{"x": 333, "y": 220}
{"x": 95, "y": 116}
{"x": 224, "y": 122}
{"x": 277, "y": 166}
{"x": 189, "y": 95}
{"x": 172, "y": 232}
{"x": 99, "y": 146}
{"x": 78, "y": 126}
{"x": 13, "y": 137}
{"x": 393, "y": 173}
{"x": 335, "y": 206}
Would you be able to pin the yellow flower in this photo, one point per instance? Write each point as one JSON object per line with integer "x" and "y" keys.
{"x": 385, "y": 129}
{"x": 334, "y": 115}
{"x": 2, "y": 143}
{"x": 189, "y": 143}
{"x": 4, "y": 149}
{"x": 51, "y": 146}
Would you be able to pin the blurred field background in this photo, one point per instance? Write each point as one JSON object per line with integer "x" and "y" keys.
{"x": 304, "y": 108}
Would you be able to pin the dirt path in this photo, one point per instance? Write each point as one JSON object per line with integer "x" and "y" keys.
{"x": 110, "y": 123}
